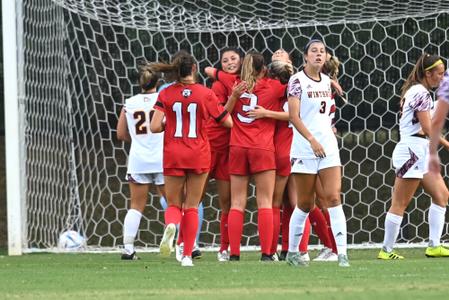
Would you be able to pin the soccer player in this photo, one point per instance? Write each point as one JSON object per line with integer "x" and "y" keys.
{"x": 314, "y": 151}
{"x": 230, "y": 61}
{"x": 145, "y": 155}
{"x": 186, "y": 107}
{"x": 410, "y": 159}
{"x": 252, "y": 153}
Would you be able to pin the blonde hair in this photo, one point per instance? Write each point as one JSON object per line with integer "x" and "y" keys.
{"x": 253, "y": 64}
{"x": 331, "y": 67}
{"x": 148, "y": 78}
{"x": 281, "y": 70}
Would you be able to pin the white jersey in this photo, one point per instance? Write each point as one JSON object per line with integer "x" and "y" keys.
{"x": 416, "y": 99}
{"x": 145, "y": 155}
{"x": 317, "y": 108}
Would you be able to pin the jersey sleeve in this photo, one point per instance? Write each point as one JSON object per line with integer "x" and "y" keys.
{"x": 215, "y": 109}
{"x": 294, "y": 87}
{"x": 443, "y": 90}
{"x": 421, "y": 101}
{"x": 220, "y": 91}
{"x": 159, "y": 105}
{"x": 226, "y": 79}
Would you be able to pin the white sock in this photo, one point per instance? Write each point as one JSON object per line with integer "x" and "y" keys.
{"x": 338, "y": 226}
{"x": 392, "y": 226}
{"x": 130, "y": 227}
{"x": 297, "y": 221}
{"x": 437, "y": 215}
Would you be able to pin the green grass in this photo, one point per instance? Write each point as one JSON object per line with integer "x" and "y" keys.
{"x": 105, "y": 276}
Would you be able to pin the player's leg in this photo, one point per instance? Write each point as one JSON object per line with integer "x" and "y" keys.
{"x": 434, "y": 185}
{"x": 224, "y": 198}
{"x": 239, "y": 190}
{"x": 278, "y": 196}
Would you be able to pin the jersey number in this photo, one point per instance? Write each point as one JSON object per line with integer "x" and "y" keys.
{"x": 141, "y": 117}
{"x": 323, "y": 107}
{"x": 191, "y": 109}
{"x": 252, "y": 103}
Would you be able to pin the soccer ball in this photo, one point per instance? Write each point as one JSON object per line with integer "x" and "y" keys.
{"x": 71, "y": 240}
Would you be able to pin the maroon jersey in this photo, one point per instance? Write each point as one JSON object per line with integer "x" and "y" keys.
{"x": 252, "y": 133}
{"x": 187, "y": 108}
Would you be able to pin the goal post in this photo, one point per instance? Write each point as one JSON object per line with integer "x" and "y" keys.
{"x": 77, "y": 61}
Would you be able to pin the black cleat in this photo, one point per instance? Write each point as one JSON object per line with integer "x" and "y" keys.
{"x": 266, "y": 257}
{"x": 132, "y": 256}
{"x": 234, "y": 258}
{"x": 283, "y": 255}
{"x": 196, "y": 254}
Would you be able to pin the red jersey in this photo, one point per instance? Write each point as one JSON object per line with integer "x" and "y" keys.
{"x": 187, "y": 108}
{"x": 252, "y": 133}
{"x": 283, "y": 134}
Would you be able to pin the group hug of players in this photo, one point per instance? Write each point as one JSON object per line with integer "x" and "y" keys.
{"x": 266, "y": 122}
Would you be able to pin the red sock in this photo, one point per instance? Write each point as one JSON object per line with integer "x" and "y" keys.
{"x": 235, "y": 229}
{"x": 320, "y": 226}
{"x": 329, "y": 229}
{"x": 224, "y": 236}
{"x": 304, "y": 244}
{"x": 276, "y": 229}
{"x": 287, "y": 211}
{"x": 265, "y": 226}
{"x": 173, "y": 215}
{"x": 189, "y": 228}
{"x": 180, "y": 239}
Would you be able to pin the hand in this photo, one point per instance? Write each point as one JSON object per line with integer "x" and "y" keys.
{"x": 257, "y": 113}
{"x": 434, "y": 164}
{"x": 238, "y": 89}
{"x": 318, "y": 150}
{"x": 337, "y": 87}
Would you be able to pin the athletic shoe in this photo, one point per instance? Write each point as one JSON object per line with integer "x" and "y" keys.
{"x": 438, "y": 251}
{"x": 132, "y": 256}
{"x": 275, "y": 256}
{"x": 234, "y": 258}
{"x": 196, "y": 253}
{"x": 322, "y": 254}
{"x": 305, "y": 256}
{"x": 266, "y": 257}
{"x": 295, "y": 259}
{"x": 223, "y": 256}
{"x": 343, "y": 260}
{"x": 282, "y": 255}
{"x": 186, "y": 261}
{"x": 166, "y": 245}
{"x": 389, "y": 255}
{"x": 179, "y": 250}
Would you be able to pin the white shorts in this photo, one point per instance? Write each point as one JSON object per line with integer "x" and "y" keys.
{"x": 154, "y": 178}
{"x": 410, "y": 157}
{"x": 313, "y": 165}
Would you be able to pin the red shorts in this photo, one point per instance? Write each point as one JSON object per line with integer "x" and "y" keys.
{"x": 183, "y": 172}
{"x": 247, "y": 161}
{"x": 219, "y": 165}
{"x": 283, "y": 166}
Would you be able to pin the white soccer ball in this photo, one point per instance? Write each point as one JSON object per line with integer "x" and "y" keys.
{"x": 71, "y": 240}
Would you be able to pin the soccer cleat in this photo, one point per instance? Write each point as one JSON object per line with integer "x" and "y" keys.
{"x": 186, "y": 261}
{"x": 196, "y": 253}
{"x": 223, "y": 256}
{"x": 234, "y": 258}
{"x": 388, "y": 255}
{"x": 132, "y": 256}
{"x": 166, "y": 245}
{"x": 343, "y": 261}
{"x": 275, "y": 256}
{"x": 266, "y": 257}
{"x": 305, "y": 256}
{"x": 179, "y": 250}
{"x": 438, "y": 251}
{"x": 282, "y": 255}
{"x": 296, "y": 259}
{"x": 322, "y": 254}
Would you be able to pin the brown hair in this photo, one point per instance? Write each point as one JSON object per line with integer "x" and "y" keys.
{"x": 331, "y": 66}
{"x": 253, "y": 64}
{"x": 180, "y": 67}
{"x": 281, "y": 70}
{"x": 148, "y": 78}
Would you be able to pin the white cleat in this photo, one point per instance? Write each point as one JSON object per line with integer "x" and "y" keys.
{"x": 323, "y": 254}
{"x": 223, "y": 256}
{"x": 343, "y": 261}
{"x": 305, "y": 256}
{"x": 166, "y": 246}
{"x": 186, "y": 261}
{"x": 179, "y": 250}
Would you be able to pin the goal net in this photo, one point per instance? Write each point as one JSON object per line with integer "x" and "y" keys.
{"x": 78, "y": 61}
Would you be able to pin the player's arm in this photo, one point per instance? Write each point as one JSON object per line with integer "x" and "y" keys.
{"x": 122, "y": 128}
{"x": 211, "y": 72}
{"x": 158, "y": 121}
{"x": 260, "y": 112}
{"x": 438, "y": 121}
{"x": 295, "y": 119}
{"x": 237, "y": 91}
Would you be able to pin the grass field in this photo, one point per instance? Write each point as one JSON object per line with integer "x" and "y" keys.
{"x": 105, "y": 276}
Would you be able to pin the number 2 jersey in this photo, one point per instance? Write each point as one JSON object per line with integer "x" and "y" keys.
{"x": 316, "y": 111}
{"x": 187, "y": 108}
{"x": 145, "y": 154}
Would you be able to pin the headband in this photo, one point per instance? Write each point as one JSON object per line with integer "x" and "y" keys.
{"x": 438, "y": 62}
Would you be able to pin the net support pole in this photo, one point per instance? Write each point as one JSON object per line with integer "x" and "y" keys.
{"x": 12, "y": 127}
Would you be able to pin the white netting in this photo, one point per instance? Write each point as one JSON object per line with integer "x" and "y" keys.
{"x": 81, "y": 59}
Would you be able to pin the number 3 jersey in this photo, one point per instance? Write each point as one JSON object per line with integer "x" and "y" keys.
{"x": 187, "y": 109}
{"x": 316, "y": 111}
{"x": 145, "y": 155}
